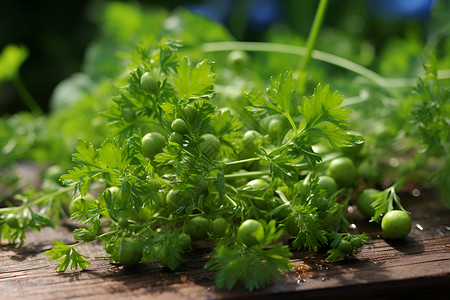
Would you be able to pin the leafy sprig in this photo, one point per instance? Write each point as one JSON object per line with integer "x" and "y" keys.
{"x": 255, "y": 266}
{"x": 196, "y": 83}
{"x": 67, "y": 256}
{"x": 431, "y": 122}
{"x": 345, "y": 244}
{"x": 28, "y": 217}
{"x": 135, "y": 203}
{"x": 385, "y": 201}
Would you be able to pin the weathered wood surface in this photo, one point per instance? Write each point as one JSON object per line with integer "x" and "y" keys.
{"x": 418, "y": 265}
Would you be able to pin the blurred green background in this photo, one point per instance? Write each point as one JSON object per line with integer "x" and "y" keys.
{"x": 57, "y": 33}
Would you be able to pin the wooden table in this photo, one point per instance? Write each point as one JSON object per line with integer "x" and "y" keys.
{"x": 417, "y": 266}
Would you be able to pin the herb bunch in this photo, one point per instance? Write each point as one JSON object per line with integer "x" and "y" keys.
{"x": 178, "y": 168}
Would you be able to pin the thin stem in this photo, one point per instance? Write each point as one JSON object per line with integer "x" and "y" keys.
{"x": 26, "y": 97}
{"x": 51, "y": 195}
{"x": 281, "y": 148}
{"x": 37, "y": 201}
{"x": 316, "y": 54}
{"x": 249, "y": 174}
{"x": 312, "y": 37}
{"x": 235, "y": 162}
{"x": 4, "y": 210}
{"x": 230, "y": 200}
{"x": 291, "y": 121}
{"x": 243, "y": 174}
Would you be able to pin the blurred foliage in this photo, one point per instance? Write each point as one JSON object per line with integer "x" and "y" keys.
{"x": 11, "y": 58}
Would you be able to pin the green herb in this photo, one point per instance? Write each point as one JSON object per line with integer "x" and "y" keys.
{"x": 188, "y": 154}
{"x": 431, "y": 122}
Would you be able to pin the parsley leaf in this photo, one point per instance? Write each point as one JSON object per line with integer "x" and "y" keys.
{"x": 195, "y": 83}
{"x": 323, "y": 116}
{"x": 67, "y": 256}
{"x": 253, "y": 265}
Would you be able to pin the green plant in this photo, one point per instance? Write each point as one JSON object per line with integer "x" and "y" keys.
{"x": 192, "y": 174}
{"x": 188, "y": 155}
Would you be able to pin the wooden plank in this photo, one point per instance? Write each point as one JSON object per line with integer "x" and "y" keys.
{"x": 417, "y": 265}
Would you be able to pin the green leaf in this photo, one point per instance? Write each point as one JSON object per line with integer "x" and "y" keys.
{"x": 66, "y": 256}
{"x": 254, "y": 266}
{"x": 86, "y": 153}
{"x": 271, "y": 232}
{"x": 334, "y": 254}
{"x": 84, "y": 234}
{"x": 312, "y": 233}
{"x": 279, "y": 97}
{"x": 298, "y": 148}
{"x": 82, "y": 177}
{"x": 168, "y": 107}
{"x": 283, "y": 91}
{"x": 262, "y": 106}
{"x": 170, "y": 253}
{"x": 323, "y": 116}
{"x": 281, "y": 167}
{"x": 197, "y": 83}
{"x": 111, "y": 156}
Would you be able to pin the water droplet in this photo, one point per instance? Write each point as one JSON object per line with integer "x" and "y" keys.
{"x": 419, "y": 227}
{"x": 415, "y": 192}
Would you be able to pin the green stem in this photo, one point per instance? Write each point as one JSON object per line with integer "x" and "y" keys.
{"x": 26, "y": 97}
{"x": 5, "y": 210}
{"x": 37, "y": 201}
{"x": 291, "y": 121}
{"x": 230, "y": 200}
{"x": 316, "y": 54}
{"x": 45, "y": 198}
{"x": 281, "y": 148}
{"x": 235, "y": 162}
{"x": 314, "y": 32}
{"x": 243, "y": 174}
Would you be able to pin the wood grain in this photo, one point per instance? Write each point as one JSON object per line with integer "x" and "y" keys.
{"x": 417, "y": 266}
